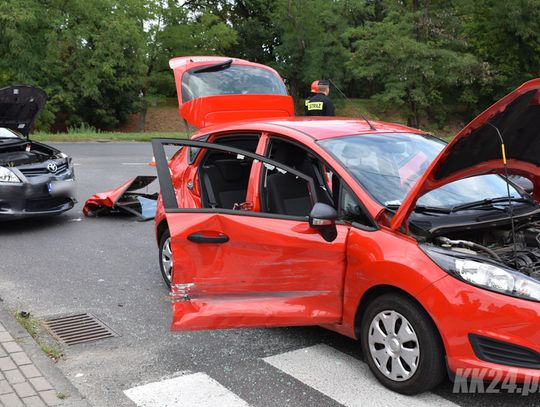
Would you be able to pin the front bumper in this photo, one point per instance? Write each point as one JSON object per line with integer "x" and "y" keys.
{"x": 33, "y": 196}
{"x": 462, "y": 311}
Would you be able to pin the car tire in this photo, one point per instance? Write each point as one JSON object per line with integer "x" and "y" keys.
{"x": 165, "y": 258}
{"x": 401, "y": 345}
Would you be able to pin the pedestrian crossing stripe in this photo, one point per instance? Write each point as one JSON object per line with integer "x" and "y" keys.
{"x": 344, "y": 378}
{"x": 190, "y": 390}
{"x": 335, "y": 374}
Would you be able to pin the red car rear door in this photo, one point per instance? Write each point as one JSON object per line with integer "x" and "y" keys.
{"x": 249, "y": 269}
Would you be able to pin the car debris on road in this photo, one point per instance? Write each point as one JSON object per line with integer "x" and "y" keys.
{"x": 125, "y": 200}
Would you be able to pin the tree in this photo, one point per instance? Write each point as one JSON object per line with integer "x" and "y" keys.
{"x": 415, "y": 54}
{"x": 175, "y": 31}
{"x": 88, "y": 56}
{"x": 311, "y": 43}
{"x": 506, "y": 38}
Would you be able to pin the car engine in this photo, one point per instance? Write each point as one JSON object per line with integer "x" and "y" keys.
{"x": 497, "y": 244}
{"x": 22, "y": 155}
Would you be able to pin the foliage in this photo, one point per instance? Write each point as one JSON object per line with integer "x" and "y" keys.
{"x": 415, "y": 56}
{"x": 426, "y": 58}
{"x": 506, "y": 38}
{"x": 86, "y": 55}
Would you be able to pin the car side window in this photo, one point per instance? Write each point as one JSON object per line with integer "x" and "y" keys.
{"x": 350, "y": 209}
{"x": 224, "y": 177}
{"x": 285, "y": 194}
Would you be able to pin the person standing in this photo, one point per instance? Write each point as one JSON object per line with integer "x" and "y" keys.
{"x": 320, "y": 104}
{"x": 312, "y": 92}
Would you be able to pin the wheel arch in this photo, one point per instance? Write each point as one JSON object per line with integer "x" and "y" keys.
{"x": 377, "y": 291}
{"x": 161, "y": 228}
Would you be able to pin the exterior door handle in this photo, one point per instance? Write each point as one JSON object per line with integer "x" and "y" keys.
{"x": 208, "y": 237}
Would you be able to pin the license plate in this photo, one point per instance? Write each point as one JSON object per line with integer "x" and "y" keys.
{"x": 61, "y": 188}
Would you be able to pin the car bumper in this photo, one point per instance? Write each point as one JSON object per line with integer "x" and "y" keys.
{"x": 37, "y": 196}
{"x": 462, "y": 311}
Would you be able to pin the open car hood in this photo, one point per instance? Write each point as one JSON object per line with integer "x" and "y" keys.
{"x": 20, "y": 106}
{"x": 215, "y": 90}
{"x": 476, "y": 149}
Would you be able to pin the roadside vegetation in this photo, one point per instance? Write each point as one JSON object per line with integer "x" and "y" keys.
{"x": 102, "y": 136}
{"x": 434, "y": 62}
{"x": 36, "y": 330}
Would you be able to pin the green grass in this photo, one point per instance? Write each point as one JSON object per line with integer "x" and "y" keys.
{"x": 34, "y": 327}
{"x": 62, "y": 396}
{"x": 103, "y": 136}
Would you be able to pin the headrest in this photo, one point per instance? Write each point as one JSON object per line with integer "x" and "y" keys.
{"x": 231, "y": 170}
{"x": 290, "y": 156}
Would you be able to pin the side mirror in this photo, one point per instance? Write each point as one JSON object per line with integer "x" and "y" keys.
{"x": 323, "y": 218}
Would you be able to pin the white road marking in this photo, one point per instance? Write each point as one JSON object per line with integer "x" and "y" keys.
{"x": 344, "y": 378}
{"x": 197, "y": 389}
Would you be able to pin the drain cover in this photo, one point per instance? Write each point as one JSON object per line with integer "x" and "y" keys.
{"x": 78, "y": 328}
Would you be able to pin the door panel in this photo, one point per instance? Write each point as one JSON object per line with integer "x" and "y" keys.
{"x": 268, "y": 272}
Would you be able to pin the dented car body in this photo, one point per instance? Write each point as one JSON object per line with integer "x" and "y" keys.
{"x": 422, "y": 251}
{"x": 35, "y": 179}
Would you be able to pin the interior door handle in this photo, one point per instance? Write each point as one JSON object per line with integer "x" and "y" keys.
{"x": 208, "y": 237}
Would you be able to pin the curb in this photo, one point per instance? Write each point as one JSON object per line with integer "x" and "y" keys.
{"x": 46, "y": 366}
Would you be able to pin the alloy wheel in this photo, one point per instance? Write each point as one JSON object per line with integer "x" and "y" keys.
{"x": 167, "y": 259}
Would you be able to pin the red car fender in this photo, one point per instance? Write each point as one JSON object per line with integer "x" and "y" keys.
{"x": 376, "y": 259}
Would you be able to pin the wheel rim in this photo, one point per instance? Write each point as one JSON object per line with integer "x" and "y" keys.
{"x": 167, "y": 259}
{"x": 393, "y": 345}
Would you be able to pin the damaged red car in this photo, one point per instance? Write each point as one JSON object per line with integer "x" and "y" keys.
{"x": 423, "y": 251}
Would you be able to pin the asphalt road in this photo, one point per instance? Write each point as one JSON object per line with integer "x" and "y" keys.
{"x": 109, "y": 267}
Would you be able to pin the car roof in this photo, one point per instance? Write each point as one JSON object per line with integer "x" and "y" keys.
{"x": 316, "y": 128}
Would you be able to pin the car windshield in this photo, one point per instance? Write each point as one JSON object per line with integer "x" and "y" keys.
{"x": 388, "y": 165}
{"x": 6, "y": 133}
{"x": 231, "y": 80}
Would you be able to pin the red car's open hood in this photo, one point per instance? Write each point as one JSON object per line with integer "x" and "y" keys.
{"x": 476, "y": 149}
{"x": 216, "y": 90}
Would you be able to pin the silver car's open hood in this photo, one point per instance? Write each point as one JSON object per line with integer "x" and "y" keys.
{"x": 20, "y": 105}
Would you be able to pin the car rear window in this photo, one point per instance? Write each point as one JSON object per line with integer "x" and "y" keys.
{"x": 234, "y": 80}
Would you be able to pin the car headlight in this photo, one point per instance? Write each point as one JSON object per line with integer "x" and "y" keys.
{"x": 485, "y": 274}
{"x": 6, "y": 175}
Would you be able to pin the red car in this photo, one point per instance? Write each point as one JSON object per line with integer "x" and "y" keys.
{"x": 422, "y": 251}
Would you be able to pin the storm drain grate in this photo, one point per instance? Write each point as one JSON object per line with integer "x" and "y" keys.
{"x": 79, "y": 328}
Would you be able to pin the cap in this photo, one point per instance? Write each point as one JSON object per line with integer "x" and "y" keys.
{"x": 324, "y": 82}
{"x": 315, "y": 86}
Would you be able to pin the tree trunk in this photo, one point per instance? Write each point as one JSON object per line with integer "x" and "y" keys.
{"x": 142, "y": 120}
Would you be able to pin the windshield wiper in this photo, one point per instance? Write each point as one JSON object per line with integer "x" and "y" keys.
{"x": 422, "y": 208}
{"x": 489, "y": 203}
{"x": 216, "y": 67}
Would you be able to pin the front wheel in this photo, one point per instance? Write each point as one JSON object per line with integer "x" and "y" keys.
{"x": 166, "y": 258}
{"x": 401, "y": 345}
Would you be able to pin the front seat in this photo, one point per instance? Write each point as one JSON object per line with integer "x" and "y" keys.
{"x": 287, "y": 194}
{"x": 226, "y": 182}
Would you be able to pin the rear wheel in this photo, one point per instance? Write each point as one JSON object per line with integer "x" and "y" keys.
{"x": 401, "y": 345}
{"x": 166, "y": 258}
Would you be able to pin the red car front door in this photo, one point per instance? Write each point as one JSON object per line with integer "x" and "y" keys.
{"x": 249, "y": 269}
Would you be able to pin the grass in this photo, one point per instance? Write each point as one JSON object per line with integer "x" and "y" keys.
{"x": 61, "y": 396}
{"x": 34, "y": 327}
{"x": 102, "y": 136}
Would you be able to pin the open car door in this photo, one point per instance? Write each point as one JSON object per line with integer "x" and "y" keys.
{"x": 236, "y": 268}
{"x": 215, "y": 90}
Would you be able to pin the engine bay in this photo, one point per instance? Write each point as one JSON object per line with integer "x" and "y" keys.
{"x": 26, "y": 153}
{"x": 521, "y": 253}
